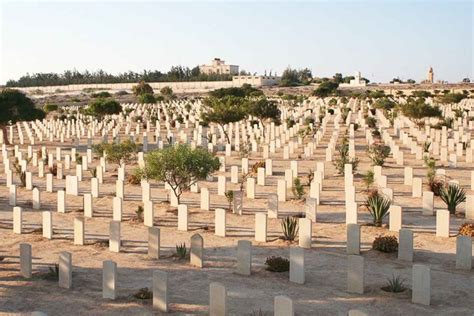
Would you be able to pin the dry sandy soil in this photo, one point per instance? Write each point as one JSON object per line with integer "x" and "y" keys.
{"x": 324, "y": 292}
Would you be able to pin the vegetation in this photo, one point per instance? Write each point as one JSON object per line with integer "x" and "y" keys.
{"x": 50, "y": 107}
{"x": 326, "y": 89}
{"x": 378, "y": 153}
{"x": 289, "y": 226}
{"x": 144, "y": 294}
{"x": 101, "y": 107}
{"x": 451, "y": 98}
{"x": 394, "y": 285}
{"x": 264, "y": 109}
{"x": 117, "y": 153}
{"x": 384, "y": 104}
{"x": 242, "y": 92}
{"x": 180, "y": 166}
{"x": 139, "y": 213}
{"x": 369, "y": 179}
{"x": 292, "y": 77}
{"x": 385, "y": 244}
{"x": 378, "y": 206}
{"x": 418, "y": 110}
{"x": 181, "y": 251}
{"x": 229, "y": 195}
{"x": 452, "y": 195}
{"x": 344, "y": 159}
{"x": 277, "y": 264}
{"x": 298, "y": 189}
{"x": 175, "y": 74}
{"x": 16, "y": 106}
{"x": 142, "y": 88}
{"x": 435, "y": 183}
{"x": 223, "y": 111}
{"x": 146, "y": 98}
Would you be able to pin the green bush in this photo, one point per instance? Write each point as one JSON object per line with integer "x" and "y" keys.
{"x": 50, "y": 107}
{"x": 146, "y": 98}
{"x": 289, "y": 226}
{"x": 378, "y": 206}
{"x": 452, "y": 195}
{"x": 102, "y": 94}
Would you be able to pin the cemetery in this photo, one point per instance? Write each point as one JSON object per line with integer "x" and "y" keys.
{"x": 240, "y": 205}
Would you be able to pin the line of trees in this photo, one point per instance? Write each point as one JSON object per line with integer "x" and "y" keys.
{"x": 175, "y": 74}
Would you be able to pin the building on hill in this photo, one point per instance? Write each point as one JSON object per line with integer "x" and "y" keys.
{"x": 218, "y": 66}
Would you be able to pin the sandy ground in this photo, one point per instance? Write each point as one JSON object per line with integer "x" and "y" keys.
{"x": 324, "y": 292}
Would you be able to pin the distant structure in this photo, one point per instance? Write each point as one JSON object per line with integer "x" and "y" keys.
{"x": 356, "y": 82}
{"x": 218, "y": 66}
{"x": 430, "y": 76}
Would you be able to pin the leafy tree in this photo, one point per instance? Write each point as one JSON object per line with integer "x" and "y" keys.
{"x": 101, "y": 107}
{"x": 223, "y": 111}
{"x": 16, "y": 106}
{"x": 180, "y": 166}
{"x": 292, "y": 77}
{"x": 326, "y": 89}
{"x": 264, "y": 109}
{"x": 337, "y": 78}
{"x": 117, "y": 153}
{"x": 147, "y": 98}
{"x": 142, "y": 88}
{"x": 417, "y": 110}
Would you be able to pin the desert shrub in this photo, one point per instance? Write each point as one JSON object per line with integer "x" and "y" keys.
{"x": 378, "y": 206}
{"x": 385, "y": 244}
{"x": 144, "y": 294}
{"x": 290, "y": 122}
{"x": 50, "y": 107}
{"x": 258, "y": 164}
{"x": 102, "y": 94}
{"x": 298, "y": 189}
{"x": 371, "y": 122}
{"x": 378, "y": 153}
{"x": 289, "y": 226}
{"x": 452, "y": 195}
{"x": 395, "y": 284}
{"x": 139, "y": 213}
{"x": 181, "y": 251}
{"x": 467, "y": 229}
{"x": 135, "y": 177}
{"x": 146, "y": 98}
{"x": 53, "y": 273}
{"x": 121, "y": 92}
{"x": 21, "y": 174}
{"x": 277, "y": 264}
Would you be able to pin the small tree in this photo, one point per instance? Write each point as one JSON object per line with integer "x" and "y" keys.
{"x": 50, "y": 107}
{"x": 142, "y": 88}
{"x": 378, "y": 153}
{"x": 264, "y": 109}
{"x": 223, "y": 111}
{"x": 16, "y": 106}
{"x": 180, "y": 166}
{"x": 101, "y": 107}
{"x": 325, "y": 89}
{"x": 117, "y": 153}
{"x": 418, "y": 110}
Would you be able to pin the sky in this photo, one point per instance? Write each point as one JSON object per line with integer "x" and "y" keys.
{"x": 381, "y": 39}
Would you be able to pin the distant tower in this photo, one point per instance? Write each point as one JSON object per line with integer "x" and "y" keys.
{"x": 431, "y": 75}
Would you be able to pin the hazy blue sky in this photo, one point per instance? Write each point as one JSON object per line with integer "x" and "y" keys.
{"x": 382, "y": 39}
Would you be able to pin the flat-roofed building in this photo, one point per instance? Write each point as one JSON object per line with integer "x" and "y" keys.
{"x": 218, "y": 66}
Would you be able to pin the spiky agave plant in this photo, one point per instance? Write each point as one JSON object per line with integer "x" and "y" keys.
{"x": 395, "y": 284}
{"x": 452, "y": 195}
{"x": 289, "y": 225}
{"x": 181, "y": 251}
{"x": 378, "y": 206}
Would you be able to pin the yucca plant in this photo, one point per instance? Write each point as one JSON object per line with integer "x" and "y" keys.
{"x": 378, "y": 206}
{"x": 181, "y": 251}
{"x": 452, "y": 195}
{"x": 395, "y": 284}
{"x": 289, "y": 225}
